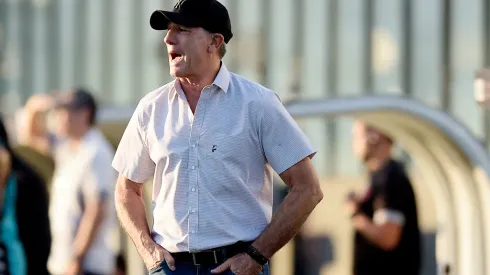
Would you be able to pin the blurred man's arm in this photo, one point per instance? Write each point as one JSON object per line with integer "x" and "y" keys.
{"x": 34, "y": 131}
{"x": 94, "y": 195}
{"x": 384, "y": 233}
{"x": 92, "y": 219}
{"x": 385, "y": 228}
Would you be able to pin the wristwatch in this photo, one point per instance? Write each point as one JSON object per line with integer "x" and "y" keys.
{"x": 256, "y": 255}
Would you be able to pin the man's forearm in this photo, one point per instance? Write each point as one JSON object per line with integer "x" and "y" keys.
{"x": 379, "y": 235}
{"x": 130, "y": 209}
{"x": 287, "y": 221}
{"x": 370, "y": 232}
{"x": 88, "y": 229}
{"x": 34, "y": 134}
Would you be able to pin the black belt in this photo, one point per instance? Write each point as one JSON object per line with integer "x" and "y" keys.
{"x": 212, "y": 256}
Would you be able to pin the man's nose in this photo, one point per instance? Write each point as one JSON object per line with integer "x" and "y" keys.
{"x": 169, "y": 38}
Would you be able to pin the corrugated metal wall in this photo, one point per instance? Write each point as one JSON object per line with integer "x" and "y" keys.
{"x": 428, "y": 50}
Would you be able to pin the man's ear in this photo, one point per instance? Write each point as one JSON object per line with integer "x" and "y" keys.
{"x": 216, "y": 42}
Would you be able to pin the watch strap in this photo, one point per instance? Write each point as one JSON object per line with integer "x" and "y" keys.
{"x": 256, "y": 255}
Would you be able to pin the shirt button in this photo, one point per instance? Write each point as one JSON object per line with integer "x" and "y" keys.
{"x": 194, "y": 210}
{"x": 193, "y": 146}
{"x": 193, "y": 232}
{"x": 193, "y": 189}
{"x": 193, "y": 167}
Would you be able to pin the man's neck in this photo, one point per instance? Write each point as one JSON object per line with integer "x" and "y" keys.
{"x": 377, "y": 163}
{"x": 76, "y": 139}
{"x": 193, "y": 85}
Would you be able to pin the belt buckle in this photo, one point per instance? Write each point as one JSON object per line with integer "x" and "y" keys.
{"x": 215, "y": 256}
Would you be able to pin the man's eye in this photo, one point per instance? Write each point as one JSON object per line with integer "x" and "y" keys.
{"x": 183, "y": 30}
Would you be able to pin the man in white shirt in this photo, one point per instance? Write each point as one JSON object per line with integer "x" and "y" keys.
{"x": 82, "y": 217}
{"x": 210, "y": 139}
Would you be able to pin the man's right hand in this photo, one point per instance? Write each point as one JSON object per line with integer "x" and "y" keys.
{"x": 158, "y": 256}
{"x": 352, "y": 205}
{"x": 34, "y": 130}
{"x": 40, "y": 102}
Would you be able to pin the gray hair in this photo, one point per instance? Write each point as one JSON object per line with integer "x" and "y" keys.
{"x": 222, "y": 51}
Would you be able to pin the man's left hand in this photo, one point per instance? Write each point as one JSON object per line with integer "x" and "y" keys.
{"x": 75, "y": 267}
{"x": 241, "y": 264}
{"x": 360, "y": 221}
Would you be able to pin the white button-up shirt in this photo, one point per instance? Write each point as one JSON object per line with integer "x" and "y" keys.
{"x": 82, "y": 175}
{"x": 212, "y": 176}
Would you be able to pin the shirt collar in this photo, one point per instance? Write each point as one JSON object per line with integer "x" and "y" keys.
{"x": 222, "y": 80}
{"x": 88, "y": 138}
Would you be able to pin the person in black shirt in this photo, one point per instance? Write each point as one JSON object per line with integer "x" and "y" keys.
{"x": 387, "y": 236}
{"x": 27, "y": 237}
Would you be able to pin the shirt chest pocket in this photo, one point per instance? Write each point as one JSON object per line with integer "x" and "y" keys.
{"x": 222, "y": 149}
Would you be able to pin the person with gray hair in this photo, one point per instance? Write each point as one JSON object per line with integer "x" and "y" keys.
{"x": 210, "y": 140}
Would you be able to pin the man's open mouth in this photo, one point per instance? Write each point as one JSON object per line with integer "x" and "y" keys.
{"x": 175, "y": 56}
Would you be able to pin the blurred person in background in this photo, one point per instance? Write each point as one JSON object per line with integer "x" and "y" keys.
{"x": 384, "y": 216}
{"x": 206, "y": 139}
{"x": 83, "y": 220}
{"x": 25, "y": 237}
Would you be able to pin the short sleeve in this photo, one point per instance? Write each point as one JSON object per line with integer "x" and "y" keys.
{"x": 392, "y": 203}
{"x": 132, "y": 159}
{"x": 55, "y": 143}
{"x": 399, "y": 194}
{"x": 284, "y": 144}
{"x": 99, "y": 180}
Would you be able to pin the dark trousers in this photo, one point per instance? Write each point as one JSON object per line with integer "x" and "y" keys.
{"x": 191, "y": 269}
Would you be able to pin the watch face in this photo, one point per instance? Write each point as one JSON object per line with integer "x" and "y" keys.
{"x": 3, "y": 260}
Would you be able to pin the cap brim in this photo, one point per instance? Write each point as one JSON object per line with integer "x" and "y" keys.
{"x": 159, "y": 19}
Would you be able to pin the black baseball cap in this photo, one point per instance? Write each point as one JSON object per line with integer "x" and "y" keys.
{"x": 210, "y": 15}
{"x": 77, "y": 99}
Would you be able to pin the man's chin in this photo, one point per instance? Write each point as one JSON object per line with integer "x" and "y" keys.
{"x": 176, "y": 73}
